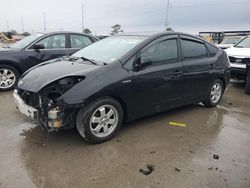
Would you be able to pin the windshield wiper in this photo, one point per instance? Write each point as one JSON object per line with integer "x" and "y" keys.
{"x": 73, "y": 58}
{"x": 90, "y": 60}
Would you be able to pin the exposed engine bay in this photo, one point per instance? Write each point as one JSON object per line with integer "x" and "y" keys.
{"x": 51, "y": 113}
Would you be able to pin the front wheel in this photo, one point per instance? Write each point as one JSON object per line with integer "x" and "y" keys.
{"x": 100, "y": 121}
{"x": 214, "y": 94}
{"x": 247, "y": 89}
{"x": 8, "y": 77}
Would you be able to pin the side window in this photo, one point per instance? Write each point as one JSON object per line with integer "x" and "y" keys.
{"x": 193, "y": 50}
{"x": 165, "y": 51}
{"x": 212, "y": 49}
{"x": 79, "y": 41}
{"x": 53, "y": 41}
{"x": 129, "y": 64}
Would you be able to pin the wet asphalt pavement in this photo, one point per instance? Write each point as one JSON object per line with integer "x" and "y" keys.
{"x": 213, "y": 150}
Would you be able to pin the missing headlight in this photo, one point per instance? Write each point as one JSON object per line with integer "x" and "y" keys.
{"x": 53, "y": 91}
{"x": 70, "y": 80}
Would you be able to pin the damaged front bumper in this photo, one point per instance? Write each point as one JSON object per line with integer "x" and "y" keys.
{"x": 24, "y": 108}
{"x": 49, "y": 119}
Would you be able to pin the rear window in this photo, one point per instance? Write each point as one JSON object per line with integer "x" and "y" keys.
{"x": 193, "y": 49}
{"x": 79, "y": 41}
{"x": 212, "y": 49}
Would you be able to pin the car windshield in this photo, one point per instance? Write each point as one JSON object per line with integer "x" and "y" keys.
{"x": 24, "y": 42}
{"x": 110, "y": 49}
{"x": 245, "y": 43}
{"x": 231, "y": 40}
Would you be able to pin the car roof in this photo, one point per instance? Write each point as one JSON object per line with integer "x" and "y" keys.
{"x": 66, "y": 32}
{"x": 153, "y": 34}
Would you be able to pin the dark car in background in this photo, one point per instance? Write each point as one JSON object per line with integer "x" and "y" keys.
{"x": 122, "y": 78}
{"x": 37, "y": 48}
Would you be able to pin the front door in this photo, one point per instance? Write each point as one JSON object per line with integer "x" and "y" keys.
{"x": 158, "y": 86}
{"x": 54, "y": 47}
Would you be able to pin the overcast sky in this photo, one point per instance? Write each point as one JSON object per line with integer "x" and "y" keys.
{"x": 134, "y": 15}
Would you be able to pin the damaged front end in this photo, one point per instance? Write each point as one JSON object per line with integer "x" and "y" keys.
{"x": 45, "y": 107}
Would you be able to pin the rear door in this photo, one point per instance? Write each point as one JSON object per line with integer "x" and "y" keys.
{"x": 158, "y": 86}
{"x": 77, "y": 42}
{"x": 54, "y": 47}
{"x": 198, "y": 68}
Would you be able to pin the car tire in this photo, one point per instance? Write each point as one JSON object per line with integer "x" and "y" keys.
{"x": 9, "y": 77}
{"x": 214, "y": 94}
{"x": 100, "y": 121}
{"x": 247, "y": 89}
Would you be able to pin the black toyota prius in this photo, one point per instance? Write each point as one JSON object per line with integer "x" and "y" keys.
{"x": 122, "y": 78}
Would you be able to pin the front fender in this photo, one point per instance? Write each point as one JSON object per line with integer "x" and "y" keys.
{"x": 12, "y": 63}
{"x": 107, "y": 82}
{"x": 13, "y": 58}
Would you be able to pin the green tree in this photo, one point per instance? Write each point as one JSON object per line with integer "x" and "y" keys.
{"x": 87, "y": 31}
{"x": 116, "y": 29}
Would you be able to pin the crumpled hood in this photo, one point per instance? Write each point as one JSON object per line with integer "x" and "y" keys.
{"x": 238, "y": 52}
{"x": 43, "y": 74}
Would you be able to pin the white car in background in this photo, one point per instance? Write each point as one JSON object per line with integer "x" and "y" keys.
{"x": 229, "y": 41}
{"x": 239, "y": 57}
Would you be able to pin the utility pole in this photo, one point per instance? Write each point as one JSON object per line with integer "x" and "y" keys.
{"x": 22, "y": 25}
{"x": 44, "y": 22}
{"x": 167, "y": 14}
{"x": 82, "y": 17}
{"x": 7, "y": 25}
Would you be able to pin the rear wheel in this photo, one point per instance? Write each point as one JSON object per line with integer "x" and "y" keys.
{"x": 100, "y": 121}
{"x": 8, "y": 77}
{"x": 214, "y": 94}
{"x": 247, "y": 90}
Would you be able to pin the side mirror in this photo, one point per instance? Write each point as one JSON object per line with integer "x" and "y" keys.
{"x": 37, "y": 47}
{"x": 146, "y": 61}
{"x": 143, "y": 62}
